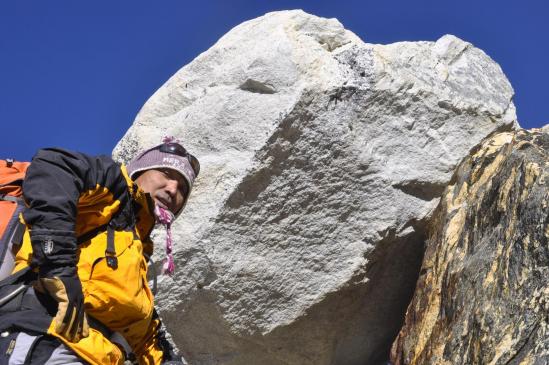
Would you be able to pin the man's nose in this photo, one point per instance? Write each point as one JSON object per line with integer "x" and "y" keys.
{"x": 171, "y": 188}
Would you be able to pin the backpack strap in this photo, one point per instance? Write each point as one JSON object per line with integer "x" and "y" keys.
{"x": 115, "y": 337}
{"x": 18, "y": 182}
{"x": 11, "y": 237}
{"x": 25, "y": 275}
{"x": 10, "y": 198}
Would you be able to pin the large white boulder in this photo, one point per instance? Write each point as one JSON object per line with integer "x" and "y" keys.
{"x": 322, "y": 159}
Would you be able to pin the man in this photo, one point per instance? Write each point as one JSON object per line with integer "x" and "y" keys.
{"x": 84, "y": 258}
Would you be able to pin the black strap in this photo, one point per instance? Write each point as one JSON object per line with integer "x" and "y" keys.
{"x": 15, "y": 292}
{"x": 118, "y": 339}
{"x": 118, "y": 222}
{"x": 10, "y": 198}
{"x": 110, "y": 252}
{"x": 91, "y": 234}
{"x": 23, "y": 275}
{"x": 18, "y": 182}
{"x": 115, "y": 337}
{"x": 23, "y": 297}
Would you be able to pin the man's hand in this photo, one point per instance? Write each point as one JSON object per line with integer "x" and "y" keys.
{"x": 70, "y": 321}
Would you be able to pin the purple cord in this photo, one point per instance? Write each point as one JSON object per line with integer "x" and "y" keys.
{"x": 170, "y": 139}
{"x": 166, "y": 217}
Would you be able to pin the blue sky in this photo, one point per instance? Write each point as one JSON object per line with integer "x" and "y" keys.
{"x": 75, "y": 73}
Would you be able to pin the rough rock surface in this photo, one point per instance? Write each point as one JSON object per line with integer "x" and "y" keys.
{"x": 483, "y": 294}
{"x": 322, "y": 157}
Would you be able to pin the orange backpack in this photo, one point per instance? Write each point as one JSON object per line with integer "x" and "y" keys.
{"x": 11, "y": 205}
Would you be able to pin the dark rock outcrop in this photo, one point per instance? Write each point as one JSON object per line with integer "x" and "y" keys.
{"x": 483, "y": 293}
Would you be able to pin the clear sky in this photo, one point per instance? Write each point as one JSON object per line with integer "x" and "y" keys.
{"x": 75, "y": 73}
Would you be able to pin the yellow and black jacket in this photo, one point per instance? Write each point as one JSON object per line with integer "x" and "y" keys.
{"x": 99, "y": 222}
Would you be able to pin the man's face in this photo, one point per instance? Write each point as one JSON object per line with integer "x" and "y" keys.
{"x": 166, "y": 186}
